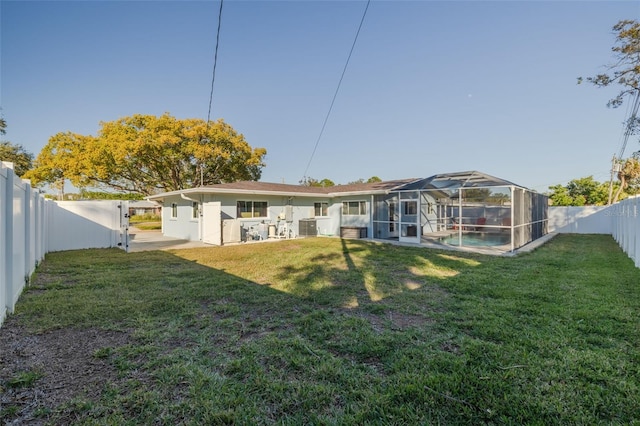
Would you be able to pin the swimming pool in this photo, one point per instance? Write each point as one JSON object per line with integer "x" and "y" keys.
{"x": 477, "y": 239}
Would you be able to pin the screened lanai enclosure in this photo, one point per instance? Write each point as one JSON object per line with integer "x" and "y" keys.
{"x": 468, "y": 209}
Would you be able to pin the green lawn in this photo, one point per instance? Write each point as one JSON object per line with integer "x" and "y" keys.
{"x": 146, "y": 222}
{"x": 348, "y": 332}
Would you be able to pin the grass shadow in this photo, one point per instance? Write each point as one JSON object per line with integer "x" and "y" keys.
{"x": 328, "y": 331}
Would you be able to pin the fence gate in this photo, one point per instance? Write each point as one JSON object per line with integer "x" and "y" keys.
{"x": 76, "y": 225}
{"x": 212, "y": 223}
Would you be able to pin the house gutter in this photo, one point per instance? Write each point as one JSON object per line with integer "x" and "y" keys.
{"x": 183, "y": 193}
{"x": 237, "y": 191}
{"x": 184, "y": 197}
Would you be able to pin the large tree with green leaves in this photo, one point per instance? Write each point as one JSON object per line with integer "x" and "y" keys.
{"x": 22, "y": 159}
{"x": 625, "y": 71}
{"x": 60, "y": 160}
{"x": 15, "y": 153}
{"x": 147, "y": 154}
{"x": 580, "y": 192}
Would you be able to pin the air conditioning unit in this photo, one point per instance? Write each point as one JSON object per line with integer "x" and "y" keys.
{"x": 307, "y": 228}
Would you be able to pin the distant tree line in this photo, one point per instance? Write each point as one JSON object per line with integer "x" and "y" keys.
{"x": 324, "y": 183}
{"x": 587, "y": 191}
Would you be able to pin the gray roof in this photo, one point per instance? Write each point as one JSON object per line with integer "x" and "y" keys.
{"x": 281, "y": 187}
{"x": 446, "y": 182}
{"x": 268, "y": 188}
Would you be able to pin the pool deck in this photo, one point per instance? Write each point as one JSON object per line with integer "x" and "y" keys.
{"x": 503, "y": 250}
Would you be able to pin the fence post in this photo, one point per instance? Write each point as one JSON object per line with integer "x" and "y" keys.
{"x": 636, "y": 230}
{"x": 8, "y": 240}
{"x": 27, "y": 231}
{"x": 630, "y": 240}
{"x": 41, "y": 243}
{"x": 4, "y": 256}
{"x": 623, "y": 225}
{"x": 625, "y": 216}
{"x": 619, "y": 223}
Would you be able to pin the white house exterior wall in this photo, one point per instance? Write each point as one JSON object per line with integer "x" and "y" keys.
{"x": 183, "y": 226}
{"x": 302, "y": 208}
{"x": 330, "y": 224}
{"x": 186, "y": 227}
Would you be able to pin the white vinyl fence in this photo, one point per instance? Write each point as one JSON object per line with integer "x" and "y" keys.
{"x": 621, "y": 220}
{"x": 74, "y": 225}
{"x": 580, "y": 220}
{"x": 31, "y": 226}
{"x": 625, "y": 217}
{"x": 22, "y": 239}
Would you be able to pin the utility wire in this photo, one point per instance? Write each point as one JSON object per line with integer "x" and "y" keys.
{"x": 215, "y": 61}
{"x": 624, "y": 128}
{"x": 213, "y": 80}
{"x": 630, "y": 123}
{"x": 315, "y": 147}
{"x": 616, "y": 163}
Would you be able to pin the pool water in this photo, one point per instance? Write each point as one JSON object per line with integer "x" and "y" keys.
{"x": 477, "y": 239}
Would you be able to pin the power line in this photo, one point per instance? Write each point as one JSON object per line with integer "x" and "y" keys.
{"x": 630, "y": 123}
{"x": 213, "y": 80}
{"x": 324, "y": 124}
{"x": 215, "y": 61}
{"x": 623, "y": 129}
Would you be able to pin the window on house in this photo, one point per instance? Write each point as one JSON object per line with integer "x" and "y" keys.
{"x": 410, "y": 207}
{"x": 392, "y": 212}
{"x": 174, "y": 210}
{"x": 195, "y": 211}
{"x": 320, "y": 209}
{"x": 247, "y": 209}
{"x": 354, "y": 208}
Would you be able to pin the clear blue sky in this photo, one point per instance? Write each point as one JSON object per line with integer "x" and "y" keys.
{"x": 432, "y": 87}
